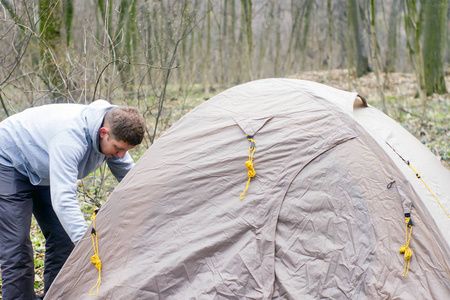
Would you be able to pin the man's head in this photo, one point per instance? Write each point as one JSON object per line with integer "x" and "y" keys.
{"x": 123, "y": 128}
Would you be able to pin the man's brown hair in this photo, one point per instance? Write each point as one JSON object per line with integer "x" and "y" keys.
{"x": 126, "y": 124}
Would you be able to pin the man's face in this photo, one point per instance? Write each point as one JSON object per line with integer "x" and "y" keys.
{"x": 111, "y": 147}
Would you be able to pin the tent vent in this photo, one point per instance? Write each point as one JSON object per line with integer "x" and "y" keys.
{"x": 249, "y": 164}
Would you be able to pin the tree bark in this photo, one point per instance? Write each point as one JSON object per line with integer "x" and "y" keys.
{"x": 50, "y": 24}
{"x": 305, "y": 32}
{"x": 247, "y": 32}
{"x": 435, "y": 33}
{"x": 277, "y": 61}
{"x": 330, "y": 35}
{"x": 375, "y": 56}
{"x": 234, "y": 71}
{"x": 297, "y": 16}
{"x": 206, "y": 68}
{"x": 357, "y": 59}
{"x": 68, "y": 18}
{"x": 391, "y": 54}
{"x": 413, "y": 29}
{"x": 223, "y": 42}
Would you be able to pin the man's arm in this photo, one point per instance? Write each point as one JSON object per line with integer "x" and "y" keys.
{"x": 120, "y": 166}
{"x": 64, "y": 160}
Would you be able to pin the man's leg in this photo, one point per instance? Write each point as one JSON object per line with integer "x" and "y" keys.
{"x": 58, "y": 245}
{"x": 16, "y": 253}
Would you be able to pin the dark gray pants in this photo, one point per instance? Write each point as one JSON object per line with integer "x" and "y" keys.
{"x": 18, "y": 200}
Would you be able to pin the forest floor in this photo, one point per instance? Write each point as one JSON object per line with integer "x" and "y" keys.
{"x": 430, "y": 127}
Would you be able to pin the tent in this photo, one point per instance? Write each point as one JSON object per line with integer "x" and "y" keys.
{"x": 324, "y": 216}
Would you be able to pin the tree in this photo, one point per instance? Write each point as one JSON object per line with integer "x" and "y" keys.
{"x": 309, "y": 5}
{"x": 330, "y": 35}
{"x": 247, "y": 37}
{"x": 413, "y": 31}
{"x": 392, "y": 43}
{"x": 206, "y": 70}
{"x": 435, "y": 34}
{"x": 375, "y": 54}
{"x": 357, "y": 59}
{"x": 298, "y": 11}
{"x": 68, "y": 19}
{"x": 50, "y": 32}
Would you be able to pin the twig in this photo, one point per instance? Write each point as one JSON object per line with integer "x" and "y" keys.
{"x": 131, "y": 63}
{"x": 93, "y": 199}
{"x": 17, "y": 62}
{"x": 3, "y": 104}
{"x": 412, "y": 114}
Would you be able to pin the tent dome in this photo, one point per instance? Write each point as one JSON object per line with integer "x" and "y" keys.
{"x": 324, "y": 216}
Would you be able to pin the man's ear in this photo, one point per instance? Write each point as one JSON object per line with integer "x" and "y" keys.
{"x": 104, "y": 131}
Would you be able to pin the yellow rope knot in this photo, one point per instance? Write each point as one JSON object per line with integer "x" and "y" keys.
{"x": 405, "y": 250}
{"x": 95, "y": 259}
{"x": 249, "y": 164}
{"x": 251, "y": 170}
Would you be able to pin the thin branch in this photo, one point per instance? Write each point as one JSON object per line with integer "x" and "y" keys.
{"x": 3, "y": 104}
{"x": 126, "y": 62}
{"x": 17, "y": 62}
{"x": 49, "y": 50}
{"x": 86, "y": 194}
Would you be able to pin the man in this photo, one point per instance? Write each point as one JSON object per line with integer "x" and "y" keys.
{"x": 43, "y": 151}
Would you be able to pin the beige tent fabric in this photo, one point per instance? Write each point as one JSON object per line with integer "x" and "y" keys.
{"x": 400, "y": 145}
{"x": 332, "y": 242}
{"x": 317, "y": 221}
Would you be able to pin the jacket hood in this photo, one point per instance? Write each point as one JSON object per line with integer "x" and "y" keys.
{"x": 94, "y": 115}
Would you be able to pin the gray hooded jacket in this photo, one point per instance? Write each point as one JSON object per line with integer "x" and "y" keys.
{"x": 55, "y": 145}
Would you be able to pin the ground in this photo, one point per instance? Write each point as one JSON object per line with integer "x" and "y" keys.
{"x": 402, "y": 104}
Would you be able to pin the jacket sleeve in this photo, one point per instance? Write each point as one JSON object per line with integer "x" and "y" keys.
{"x": 65, "y": 155}
{"x": 120, "y": 166}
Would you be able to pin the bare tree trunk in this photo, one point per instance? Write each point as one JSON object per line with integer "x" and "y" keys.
{"x": 305, "y": 32}
{"x": 297, "y": 15}
{"x": 68, "y": 19}
{"x": 435, "y": 33}
{"x": 126, "y": 33}
{"x": 235, "y": 74}
{"x": 193, "y": 43}
{"x": 330, "y": 35}
{"x": 4, "y": 106}
{"x": 264, "y": 41}
{"x": 223, "y": 42}
{"x": 277, "y": 64}
{"x": 50, "y": 29}
{"x": 181, "y": 62}
{"x": 391, "y": 54}
{"x": 357, "y": 58}
{"x": 247, "y": 33}
{"x": 206, "y": 69}
{"x": 413, "y": 29}
{"x": 106, "y": 10}
{"x": 183, "y": 58}
{"x": 375, "y": 56}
